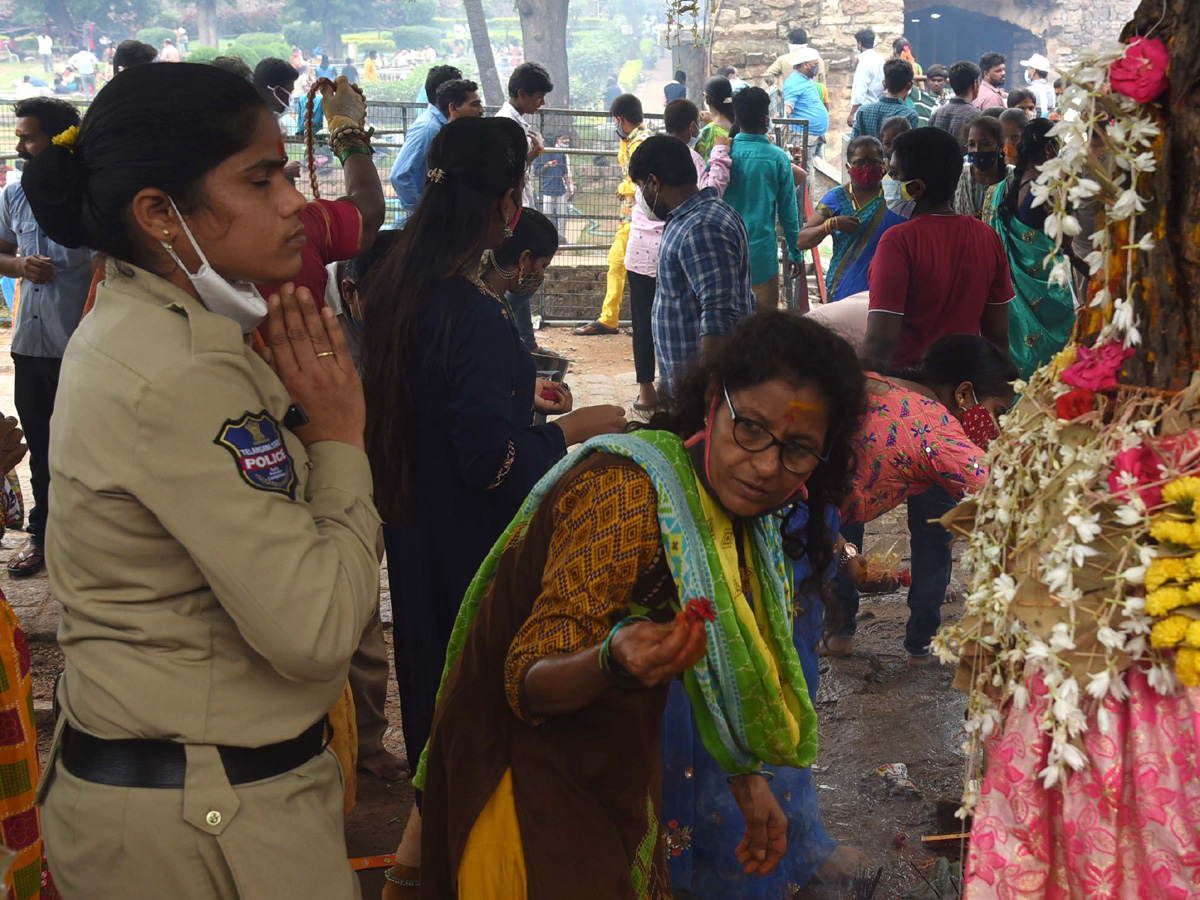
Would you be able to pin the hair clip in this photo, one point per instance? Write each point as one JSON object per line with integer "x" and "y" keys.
{"x": 66, "y": 138}
{"x": 435, "y": 175}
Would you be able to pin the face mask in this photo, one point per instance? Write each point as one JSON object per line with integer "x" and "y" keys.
{"x": 238, "y": 300}
{"x": 647, "y": 208}
{"x": 619, "y": 131}
{"x": 867, "y": 176}
{"x": 891, "y": 190}
{"x": 979, "y": 425}
{"x": 528, "y": 284}
{"x": 984, "y": 160}
{"x": 693, "y": 141}
{"x": 905, "y": 193}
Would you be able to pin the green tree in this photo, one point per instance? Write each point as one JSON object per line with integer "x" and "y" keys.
{"x": 335, "y": 16}
{"x": 544, "y": 40}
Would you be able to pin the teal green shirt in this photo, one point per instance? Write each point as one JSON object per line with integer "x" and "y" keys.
{"x": 760, "y": 188}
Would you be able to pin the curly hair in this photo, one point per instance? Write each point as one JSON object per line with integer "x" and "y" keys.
{"x": 771, "y": 345}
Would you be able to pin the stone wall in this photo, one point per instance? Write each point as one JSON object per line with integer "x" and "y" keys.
{"x": 752, "y": 33}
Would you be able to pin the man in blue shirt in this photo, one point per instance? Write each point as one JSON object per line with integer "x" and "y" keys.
{"x": 802, "y": 99}
{"x": 408, "y": 172}
{"x": 703, "y": 287}
{"x": 54, "y": 287}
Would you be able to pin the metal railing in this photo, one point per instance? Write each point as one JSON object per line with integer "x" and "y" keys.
{"x": 575, "y": 284}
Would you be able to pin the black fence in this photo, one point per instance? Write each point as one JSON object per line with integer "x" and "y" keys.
{"x": 587, "y": 220}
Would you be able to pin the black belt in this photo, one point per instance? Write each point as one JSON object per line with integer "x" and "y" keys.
{"x": 146, "y": 763}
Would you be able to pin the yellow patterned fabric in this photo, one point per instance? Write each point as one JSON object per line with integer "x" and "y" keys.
{"x": 493, "y": 861}
{"x": 19, "y": 766}
{"x": 605, "y": 535}
{"x": 345, "y": 746}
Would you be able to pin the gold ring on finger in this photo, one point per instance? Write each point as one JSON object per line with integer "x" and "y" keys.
{"x": 326, "y": 353}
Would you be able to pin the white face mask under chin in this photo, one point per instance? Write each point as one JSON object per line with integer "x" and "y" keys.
{"x": 646, "y": 208}
{"x": 239, "y": 300}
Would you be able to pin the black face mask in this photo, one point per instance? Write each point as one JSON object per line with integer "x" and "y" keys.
{"x": 984, "y": 160}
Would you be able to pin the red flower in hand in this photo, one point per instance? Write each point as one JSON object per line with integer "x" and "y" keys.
{"x": 1076, "y": 403}
{"x": 1141, "y": 74}
{"x": 700, "y": 609}
{"x": 1096, "y": 368}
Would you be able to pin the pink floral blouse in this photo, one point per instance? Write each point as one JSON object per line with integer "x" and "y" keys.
{"x": 908, "y": 443}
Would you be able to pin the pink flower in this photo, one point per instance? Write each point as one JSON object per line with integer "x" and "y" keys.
{"x": 1141, "y": 74}
{"x": 1096, "y": 368}
{"x": 1140, "y": 468}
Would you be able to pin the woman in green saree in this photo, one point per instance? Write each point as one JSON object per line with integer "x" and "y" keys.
{"x": 1041, "y": 314}
{"x": 543, "y": 773}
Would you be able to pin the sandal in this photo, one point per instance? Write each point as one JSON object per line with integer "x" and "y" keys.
{"x": 595, "y": 328}
{"x": 29, "y": 560}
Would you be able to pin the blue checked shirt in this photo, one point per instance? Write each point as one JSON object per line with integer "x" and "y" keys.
{"x": 870, "y": 118}
{"x": 703, "y": 281}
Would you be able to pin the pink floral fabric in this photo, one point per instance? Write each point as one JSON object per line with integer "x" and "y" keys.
{"x": 1125, "y": 828}
{"x": 907, "y": 444}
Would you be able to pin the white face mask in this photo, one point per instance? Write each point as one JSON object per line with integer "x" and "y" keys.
{"x": 693, "y": 141}
{"x": 646, "y": 208}
{"x": 238, "y": 300}
{"x": 891, "y": 190}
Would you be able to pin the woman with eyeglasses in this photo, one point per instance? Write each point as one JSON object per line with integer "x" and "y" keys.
{"x": 639, "y": 558}
{"x": 923, "y": 441}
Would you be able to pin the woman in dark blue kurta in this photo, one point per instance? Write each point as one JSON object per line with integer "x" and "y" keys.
{"x": 476, "y": 454}
{"x": 701, "y": 821}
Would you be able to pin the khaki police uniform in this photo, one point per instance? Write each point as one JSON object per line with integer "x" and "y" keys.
{"x": 215, "y": 578}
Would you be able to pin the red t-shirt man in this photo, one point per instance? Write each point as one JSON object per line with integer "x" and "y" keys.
{"x": 333, "y": 229}
{"x": 939, "y": 272}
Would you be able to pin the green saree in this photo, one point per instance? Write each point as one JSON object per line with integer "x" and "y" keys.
{"x": 1041, "y": 314}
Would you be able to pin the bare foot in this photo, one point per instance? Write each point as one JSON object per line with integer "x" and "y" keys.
{"x": 843, "y": 864}
{"x": 385, "y": 765}
{"x": 837, "y": 645}
{"x": 953, "y": 595}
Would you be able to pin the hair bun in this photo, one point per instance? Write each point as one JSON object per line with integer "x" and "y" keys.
{"x": 56, "y": 185}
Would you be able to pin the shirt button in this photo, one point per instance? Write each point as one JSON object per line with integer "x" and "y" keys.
{"x": 213, "y": 818}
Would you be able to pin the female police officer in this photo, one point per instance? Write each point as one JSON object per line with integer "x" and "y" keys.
{"x": 215, "y": 558}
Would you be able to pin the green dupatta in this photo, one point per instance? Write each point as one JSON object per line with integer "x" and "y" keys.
{"x": 739, "y": 704}
{"x": 1041, "y": 315}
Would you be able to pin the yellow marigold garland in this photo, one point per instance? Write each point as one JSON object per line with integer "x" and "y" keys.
{"x": 1173, "y": 582}
{"x": 1169, "y": 568}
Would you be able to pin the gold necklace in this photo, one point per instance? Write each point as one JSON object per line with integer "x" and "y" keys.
{"x": 503, "y": 301}
{"x": 854, "y": 200}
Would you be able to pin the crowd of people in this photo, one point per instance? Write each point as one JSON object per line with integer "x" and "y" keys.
{"x": 605, "y": 631}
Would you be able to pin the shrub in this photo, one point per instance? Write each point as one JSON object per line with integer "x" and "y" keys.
{"x": 414, "y": 37}
{"x": 383, "y": 46}
{"x": 646, "y": 48}
{"x": 631, "y": 74}
{"x": 155, "y": 36}
{"x": 203, "y": 54}
{"x": 28, "y": 44}
{"x": 593, "y": 57}
{"x": 259, "y": 39}
{"x": 304, "y": 35}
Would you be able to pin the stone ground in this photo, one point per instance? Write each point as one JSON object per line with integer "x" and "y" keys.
{"x": 872, "y": 709}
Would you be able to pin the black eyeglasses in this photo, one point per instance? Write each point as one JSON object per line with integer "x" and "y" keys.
{"x": 797, "y": 458}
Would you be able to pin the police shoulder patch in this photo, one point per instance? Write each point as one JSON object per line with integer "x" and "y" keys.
{"x": 260, "y": 452}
